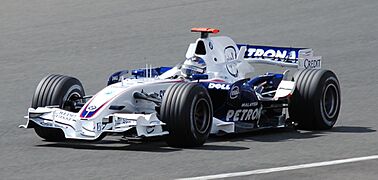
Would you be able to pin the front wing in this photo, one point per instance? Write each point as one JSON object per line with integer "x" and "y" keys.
{"x": 147, "y": 125}
{"x": 75, "y": 128}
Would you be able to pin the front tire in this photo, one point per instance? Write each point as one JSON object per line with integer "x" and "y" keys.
{"x": 316, "y": 102}
{"x": 188, "y": 113}
{"x": 56, "y": 90}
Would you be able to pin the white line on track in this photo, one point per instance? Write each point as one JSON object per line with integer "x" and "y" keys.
{"x": 284, "y": 168}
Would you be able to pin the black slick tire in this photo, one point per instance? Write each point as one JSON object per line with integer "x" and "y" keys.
{"x": 56, "y": 90}
{"x": 315, "y": 103}
{"x": 188, "y": 113}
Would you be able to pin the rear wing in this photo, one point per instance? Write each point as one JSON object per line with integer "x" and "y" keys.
{"x": 301, "y": 58}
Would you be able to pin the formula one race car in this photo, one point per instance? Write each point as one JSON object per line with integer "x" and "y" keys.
{"x": 208, "y": 93}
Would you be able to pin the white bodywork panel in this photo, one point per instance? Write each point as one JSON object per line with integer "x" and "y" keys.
{"x": 285, "y": 88}
{"x": 221, "y": 59}
{"x": 220, "y": 126}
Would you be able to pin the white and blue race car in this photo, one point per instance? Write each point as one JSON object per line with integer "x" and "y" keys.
{"x": 210, "y": 92}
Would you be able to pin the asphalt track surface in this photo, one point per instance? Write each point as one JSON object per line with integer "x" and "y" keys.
{"x": 92, "y": 39}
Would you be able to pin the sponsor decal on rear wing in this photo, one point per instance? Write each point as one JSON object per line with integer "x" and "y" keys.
{"x": 301, "y": 58}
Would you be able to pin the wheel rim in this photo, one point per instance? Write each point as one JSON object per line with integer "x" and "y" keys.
{"x": 201, "y": 116}
{"x": 330, "y": 101}
{"x": 69, "y": 103}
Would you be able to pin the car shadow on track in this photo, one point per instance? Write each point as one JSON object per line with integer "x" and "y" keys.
{"x": 352, "y": 129}
{"x": 158, "y": 144}
{"x": 285, "y": 134}
{"x": 269, "y": 135}
{"x": 114, "y": 145}
{"x": 148, "y": 145}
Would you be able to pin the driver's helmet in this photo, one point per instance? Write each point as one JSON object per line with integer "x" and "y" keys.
{"x": 193, "y": 65}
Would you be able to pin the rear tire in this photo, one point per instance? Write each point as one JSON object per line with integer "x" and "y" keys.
{"x": 188, "y": 113}
{"x": 315, "y": 103}
{"x": 56, "y": 90}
